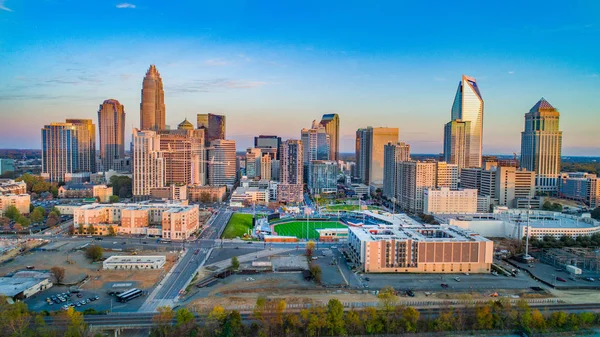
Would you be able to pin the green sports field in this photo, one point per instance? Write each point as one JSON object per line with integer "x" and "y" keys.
{"x": 298, "y": 228}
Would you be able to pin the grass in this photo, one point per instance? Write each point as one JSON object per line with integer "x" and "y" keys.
{"x": 346, "y": 207}
{"x": 238, "y": 225}
{"x": 298, "y": 228}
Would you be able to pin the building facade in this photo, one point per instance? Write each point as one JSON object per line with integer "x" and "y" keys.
{"x": 152, "y": 107}
{"x": 370, "y": 144}
{"x": 20, "y": 201}
{"x": 111, "y": 127}
{"x": 213, "y": 126}
{"x": 541, "y": 145}
{"x": 290, "y": 187}
{"x": 447, "y": 175}
{"x": 60, "y": 152}
{"x": 331, "y": 122}
{"x": 222, "y": 163}
{"x": 253, "y": 162}
{"x": 265, "y": 167}
{"x": 580, "y": 186}
{"x": 446, "y": 201}
{"x": 148, "y": 163}
{"x": 393, "y": 153}
{"x": 315, "y": 143}
{"x": 413, "y": 178}
{"x": 324, "y": 175}
{"x": 269, "y": 145}
{"x": 457, "y": 142}
{"x": 184, "y": 155}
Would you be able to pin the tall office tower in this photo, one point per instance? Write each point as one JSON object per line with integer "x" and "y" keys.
{"x": 470, "y": 178}
{"x": 413, "y": 178}
{"x": 447, "y": 175}
{"x": 148, "y": 163}
{"x": 512, "y": 185}
{"x": 457, "y": 143}
{"x": 111, "y": 125}
{"x": 265, "y": 167}
{"x": 371, "y": 142}
{"x": 541, "y": 144}
{"x": 268, "y": 144}
{"x": 331, "y": 122}
{"x": 324, "y": 176}
{"x": 152, "y": 108}
{"x": 184, "y": 155}
{"x": 290, "y": 186}
{"x": 360, "y": 162}
{"x": 468, "y": 107}
{"x": 213, "y": 125}
{"x": 253, "y": 156}
{"x": 59, "y": 151}
{"x": 315, "y": 142}
{"x": 275, "y": 169}
{"x": 488, "y": 183}
{"x": 222, "y": 169}
{"x": 86, "y": 144}
{"x": 393, "y": 153}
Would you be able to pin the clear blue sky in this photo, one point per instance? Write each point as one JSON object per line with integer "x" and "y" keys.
{"x": 273, "y": 66}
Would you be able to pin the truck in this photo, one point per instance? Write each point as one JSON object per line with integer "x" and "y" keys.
{"x": 573, "y": 270}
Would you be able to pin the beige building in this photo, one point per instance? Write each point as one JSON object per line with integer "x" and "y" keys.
{"x": 446, "y": 201}
{"x": 20, "y": 201}
{"x": 111, "y": 126}
{"x": 183, "y": 153}
{"x": 102, "y": 192}
{"x": 179, "y": 223}
{"x": 265, "y": 167}
{"x": 249, "y": 195}
{"x": 331, "y": 122}
{"x": 152, "y": 107}
{"x": 419, "y": 249}
{"x": 206, "y": 193}
{"x": 148, "y": 163}
{"x": 9, "y": 186}
{"x": 253, "y": 162}
{"x": 413, "y": 178}
{"x": 447, "y": 175}
{"x": 370, "y": 150}
{"x": 513, "y": 184}
{"x": 171, "y": 192}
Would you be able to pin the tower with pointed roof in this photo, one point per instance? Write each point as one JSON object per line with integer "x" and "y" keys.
{"x": 541, "y": 144}
{"x": 152, "y": 107}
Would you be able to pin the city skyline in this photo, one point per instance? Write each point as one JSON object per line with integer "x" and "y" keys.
{"x": 274, "y": 80}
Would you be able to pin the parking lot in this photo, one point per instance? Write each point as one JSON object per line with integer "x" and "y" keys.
{"x": 559, "y": 277}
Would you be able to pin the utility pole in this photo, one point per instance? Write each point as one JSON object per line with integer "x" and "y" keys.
{"x": 528, "y": 226}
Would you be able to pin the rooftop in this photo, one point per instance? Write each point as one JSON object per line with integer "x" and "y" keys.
{"x": 134, "y": 259}
{"x": 422, "y": 233}
{"x": 12, "y": 286}
{"x": 536, "y": 219}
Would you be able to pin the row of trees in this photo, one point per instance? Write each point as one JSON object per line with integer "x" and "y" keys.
{"x": 36, "y": 215}
{"x": 549, "y": 241}
{"x": 37, "y": 184}
{"x": 554, "y": 207}
{"x": 270, "y": 318}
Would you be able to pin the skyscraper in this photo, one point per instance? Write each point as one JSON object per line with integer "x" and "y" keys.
{"x": 253, "y": 157}
{"x": 111, "y": 125}
{"x": 222, "y": 169}
{"x": 413, "y": 178}
{"x": 447, "y": 175}
{"x": 315, "y": 142}
{"x": 59, "y": 151}
{"x": 268, "y": 144}
{"x": 324, "y": 176}
{"x": 213, "y": 125}
{"x": 331, "y": 122}
{"x": 86, "y": 144}
{"x": 541, "y": 144}
{"x": 393, "y": 153}
{"x": 290, "y": 186}
{"x": 152, "y": 108}
{"x": 370, "y": 152}
{"x": 148, "y": 163}
{"x": 467, "y": 107}
{"x": 457, "y": 143}
{"x": 265, "y": 167}
{"x": 183, "y": 153}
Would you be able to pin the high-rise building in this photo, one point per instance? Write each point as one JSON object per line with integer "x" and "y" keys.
{"x": 268, "y": 144}
{"x": 253, "y": 157}
{"x": 447, "y": 175}
{"x": 152, "y": 108}
{"x": 324, "y": 176}
{"x": 331, "y": 122}
{"x": 265, "y": 167}
{"x": 470, "y": 178}
{"x": 541, "y": 143}
{"x": 393, "y": 153}
{"x": 413, "y": 178}
{"x": 148, "y": 163}
{"x": 86, "y": 144}
{"x": 467, "y": 107}
{"x": 513, "y": 184}
{"x": 184, "y": 155}
{"x": 213, "y": 125}
{"x": 222, "y": 167}
{"x": 370, "y": 152}
{"x": 315, "y": 143}
{"x": 457, "y": 143}
{"x": 290, "y": 188}
{"x": 580, "y": 186}
{"x": 111, "y": 126}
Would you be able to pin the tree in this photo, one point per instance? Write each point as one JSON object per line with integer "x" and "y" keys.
{"x": 317, "y": 321}
{"x": 232, "y": 326}
{"x": 387, "y": 297}
{"x": 216, "y": 319}
{"x": 315, "y": 272}
{"x": 12, "y": 212}
{"x": 184, "y": 316}
{"x": 372, "y": 321}
{"x": 23, "y": 221}
{"x": 235, "y": 263}
{"x": 121, "y": 186}
{"x": 91, "y": 229}
{"x": 55, "y": 211}
{"x": 354, "y": 324}
{"x": 58, "y": 273}
{"x": 113, "y": 198}
{"x": 411, "y": 317}
{"x": 94, "y": 253}
{"x": 37, "y": 215}
{"x": 80, "y": 229}
{"x": 77, "y": 326}
{"x": 335, "y": 318}
{"x": 112, "y": 231}
{"x": 16, "y": 319}
{"x": 162, "y": 321}
{"x": 483, "y": 318}
{"x": 538, "y": 322}
{"x": 310, "y": 247}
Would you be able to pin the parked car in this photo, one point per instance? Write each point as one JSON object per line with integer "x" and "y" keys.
{"x": 444, "y": 285}
{"x": 561, "y": 279}
{"x": 457, "y": 279}
{"x": 410, "y": 293}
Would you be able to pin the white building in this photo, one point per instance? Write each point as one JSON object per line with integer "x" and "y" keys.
{"x": 250, "y": 195}
{"x": 118, "y": 262}
{"x": 446, "y": 201}
{"x": 148, "y": 163}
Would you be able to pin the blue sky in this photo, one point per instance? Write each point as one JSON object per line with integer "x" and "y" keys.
{"x": 274, "y": 66}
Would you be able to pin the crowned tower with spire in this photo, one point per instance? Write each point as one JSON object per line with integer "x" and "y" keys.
{"x": 152, "y": 108}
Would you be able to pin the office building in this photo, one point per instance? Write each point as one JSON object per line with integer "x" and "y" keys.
{"x": 447, "y": 175}
{"x": 513, "y": 184}
{"x": 265, "y": 167}
{"x": 541, "y": 143}
{"x": 324, "y": 177}
{"x": 60, "y": 152}
{"x": 370, "y": 144}
{"x": 20, "y": 201}
{"x": 248, "y": 196}
{"x": 580, "y": 186}
{"x": 111, "y": 126}
{"x": 315, "y": 143}
{"x": 7, "y": 165}
{"x": 269, "y": 145}
{"x": 183, "y": 152}
{"x": 446, "y": 201}
{"x": 253, "y": 162}
{"x": 152, "y": 107}
{"x": 405, "y": 248}
{"x": 213, "y": 126}
{"x": 413, "y": 178}
{"x": 290, "y": 188}
{"x": 86, "y": 144}
{"x": 393, "y": 153}
{"x": 222, "y": 165}
{"x": 457, "y": 143}
{"x": 148, "y": 163}
{"x": 470, "y": 178}
{"x": 134, "y": 262}
{"x": 467, "y": 107}
{"x": 331, "y": 122}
